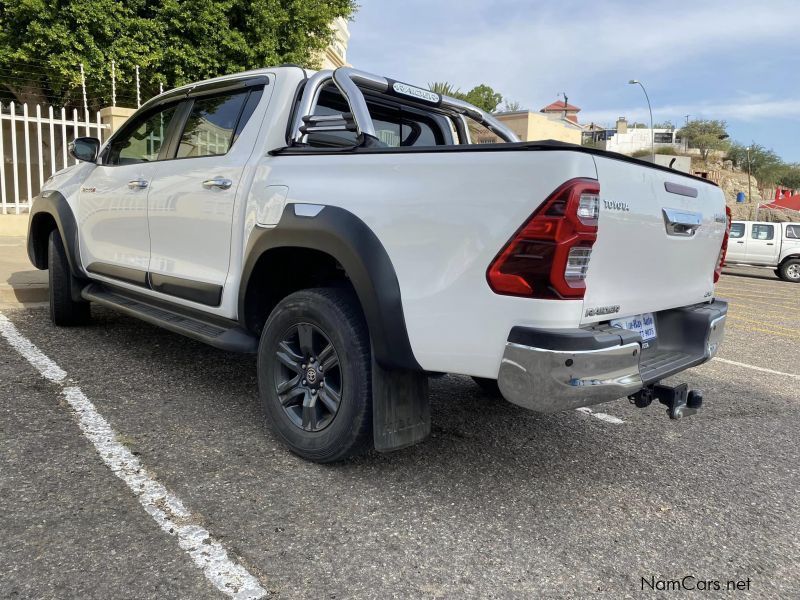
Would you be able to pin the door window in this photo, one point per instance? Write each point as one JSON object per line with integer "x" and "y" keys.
{"x": 395, "y": 126}
{"x": 763, "y": 232}
{"x": 793, "y": 232}
{"x": 737, "y": 230}
{"x": 144, "y": 140}
{"x": 211, "y": 124}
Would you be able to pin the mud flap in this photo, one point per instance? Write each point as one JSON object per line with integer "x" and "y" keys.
{"x": 401, "y": 414}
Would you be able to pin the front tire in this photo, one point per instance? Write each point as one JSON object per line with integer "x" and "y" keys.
{"x": 790, "y": 270}
{"x": 64, "y": 311}
{"x": 314, "y": 374}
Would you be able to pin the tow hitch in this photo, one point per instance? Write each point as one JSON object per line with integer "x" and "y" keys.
{"x": 679, "y": 400}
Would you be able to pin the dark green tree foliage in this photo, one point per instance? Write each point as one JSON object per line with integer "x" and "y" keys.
{"x": 42, "y": 42}
{"x": 481, "y": 95}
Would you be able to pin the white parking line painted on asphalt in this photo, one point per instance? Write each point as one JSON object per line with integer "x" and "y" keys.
{"x": 602, "y": 416}
{"x": 32, "y": 354}
{"x": 755, "y": 368}
{"x": 163, "y": 506}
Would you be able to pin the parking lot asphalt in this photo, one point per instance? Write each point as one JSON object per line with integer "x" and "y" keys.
{"x": 497, "y": 503}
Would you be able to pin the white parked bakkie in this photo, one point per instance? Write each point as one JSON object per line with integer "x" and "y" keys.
{"x": 342, "y": 226}
{"x": 761, "y": 244}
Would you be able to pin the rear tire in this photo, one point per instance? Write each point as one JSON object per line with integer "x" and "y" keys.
{"x": 315, "y": 374}
{"x": 790, "y": 270}
{"x": 64, "y": 311}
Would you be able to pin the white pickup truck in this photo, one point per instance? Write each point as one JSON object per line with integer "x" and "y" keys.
{"x": 342, "y": 226}
{"x": 759, "y": 244}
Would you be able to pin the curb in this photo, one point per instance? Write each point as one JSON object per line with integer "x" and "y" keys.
{"x": 23, "y": 295}
{"x": 14, "y": 225}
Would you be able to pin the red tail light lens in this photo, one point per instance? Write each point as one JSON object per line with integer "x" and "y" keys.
{"x": 549, "y": 255}
{"x": 723, "y": 251}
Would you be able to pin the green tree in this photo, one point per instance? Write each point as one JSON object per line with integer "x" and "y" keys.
{"x": 705, "y": 135}
{"x": 790, "y": 178}
{"x": 174, "y": 42}
{"x": 484, "y": 97}
{"x": 511, "y": 106}
{"x": 481, "y": 95}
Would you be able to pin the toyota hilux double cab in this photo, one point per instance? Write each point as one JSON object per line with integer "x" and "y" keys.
{"x": 342, "y": 227}
{"x": 761, "y": 244}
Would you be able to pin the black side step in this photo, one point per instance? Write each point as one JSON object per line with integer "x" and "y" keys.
{"x": 233, "y": 338}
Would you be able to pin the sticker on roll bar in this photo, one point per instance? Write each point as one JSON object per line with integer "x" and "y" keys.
{"x": 414, "y": 92}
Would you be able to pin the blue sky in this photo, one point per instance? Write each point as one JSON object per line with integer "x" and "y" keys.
{"x": 731, "y": 60}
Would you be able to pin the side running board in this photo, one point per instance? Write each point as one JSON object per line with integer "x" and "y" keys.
{"x": 232, "y": 338}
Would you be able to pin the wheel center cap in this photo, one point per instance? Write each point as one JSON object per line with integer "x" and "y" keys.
{"x": 311, "y": 375}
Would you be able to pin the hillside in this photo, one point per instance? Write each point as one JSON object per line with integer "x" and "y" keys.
{"x": 733, "y": 181}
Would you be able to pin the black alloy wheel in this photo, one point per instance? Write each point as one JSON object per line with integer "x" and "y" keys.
{"x": 308, "y": 380}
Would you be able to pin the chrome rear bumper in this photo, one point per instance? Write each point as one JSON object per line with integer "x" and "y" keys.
{"x": 549, "y": 371}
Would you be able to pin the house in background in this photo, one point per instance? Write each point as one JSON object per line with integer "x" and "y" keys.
{"x": 556, "y": 121}
{"x": 335, "y": 55}
{"x": 561, "y": 110}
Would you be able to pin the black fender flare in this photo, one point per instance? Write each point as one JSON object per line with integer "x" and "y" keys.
{"x": 350, "y": 241}
{"x": 55, "y": 205}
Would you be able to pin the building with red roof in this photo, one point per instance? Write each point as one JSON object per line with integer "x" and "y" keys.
{"x": 561, "y": 109}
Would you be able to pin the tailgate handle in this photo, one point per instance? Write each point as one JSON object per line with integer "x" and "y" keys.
{"x": 681, "y": 223}
{"x": 681, "y": 190}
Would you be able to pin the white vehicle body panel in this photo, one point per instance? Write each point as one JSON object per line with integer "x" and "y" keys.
{"x": 442, "y": 218}
{"x": 636, "y": 265}
{"x": 112, "y": 217}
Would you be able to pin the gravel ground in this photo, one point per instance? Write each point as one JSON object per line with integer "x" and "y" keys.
{"x": 498, "y": 503}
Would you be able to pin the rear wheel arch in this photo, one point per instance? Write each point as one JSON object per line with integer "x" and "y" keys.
{"x": 336, "y": 235}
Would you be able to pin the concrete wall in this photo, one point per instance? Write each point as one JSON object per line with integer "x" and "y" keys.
{"x": 636, "y": 139}
{"x": 682, "y": 163}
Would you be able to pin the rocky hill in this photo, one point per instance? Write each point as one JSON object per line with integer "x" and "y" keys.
{"x": 732, "y": 181}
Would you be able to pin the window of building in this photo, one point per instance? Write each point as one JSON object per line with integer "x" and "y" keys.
{"x": 210, "y": 126}
{"x": 737, "y": 230}
{"x": 661, "y": 137}
{"x": 763, "y": 232}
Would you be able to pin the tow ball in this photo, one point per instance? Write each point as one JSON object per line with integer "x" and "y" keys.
{"x": 679, "y": 400}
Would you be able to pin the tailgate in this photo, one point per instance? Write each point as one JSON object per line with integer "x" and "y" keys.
{"x": 640, "y": 263}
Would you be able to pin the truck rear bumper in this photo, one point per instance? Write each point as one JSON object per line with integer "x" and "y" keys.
{"x": 552, "y": 370}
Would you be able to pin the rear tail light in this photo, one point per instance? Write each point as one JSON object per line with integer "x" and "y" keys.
{"x": 724, "y": 248}
{"x": 549, "y": 255}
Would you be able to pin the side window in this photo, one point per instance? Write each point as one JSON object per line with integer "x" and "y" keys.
{"x": 763, "y": 232}
{"x": 143, "y": 143}
{"x": 395, "y": 126}
{"x": 211, "y": 125}
{"x": 793, "y": 232}
{"x": 737, "y": 230}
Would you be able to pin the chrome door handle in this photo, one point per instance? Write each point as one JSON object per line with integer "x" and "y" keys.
{"x": 682, "y": 223}
{"x": 218, "y": 182}
{"x": 137, "y": 184}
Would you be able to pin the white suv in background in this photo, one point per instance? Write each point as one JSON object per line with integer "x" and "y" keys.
{"x": 762, "y": 244}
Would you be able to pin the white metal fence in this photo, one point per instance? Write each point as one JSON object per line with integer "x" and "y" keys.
{"x": 33, "y": 146}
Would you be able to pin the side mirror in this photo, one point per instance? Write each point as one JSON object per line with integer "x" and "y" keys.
{"x": 85, "y": 148}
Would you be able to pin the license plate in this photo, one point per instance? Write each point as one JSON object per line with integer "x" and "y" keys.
{"x": 644, "y": 324}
